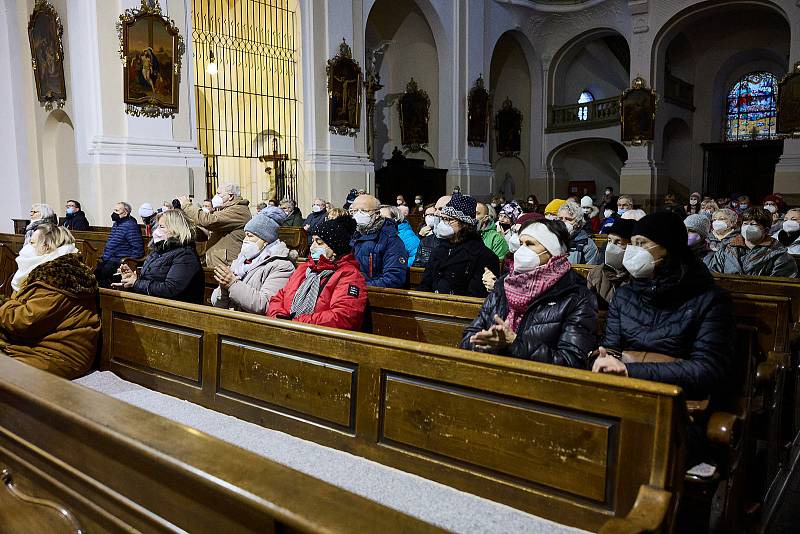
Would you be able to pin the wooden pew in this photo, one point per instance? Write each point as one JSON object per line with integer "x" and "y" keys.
{"x": 96, "y": 464}
{"x": 525, "y": 434}
{"x": 295, "y": 239}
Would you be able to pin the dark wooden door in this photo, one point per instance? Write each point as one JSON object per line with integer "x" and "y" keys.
{"x": 744, "y": 168}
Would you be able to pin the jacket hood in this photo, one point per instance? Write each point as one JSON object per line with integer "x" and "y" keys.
{"x": 67, "y": 274}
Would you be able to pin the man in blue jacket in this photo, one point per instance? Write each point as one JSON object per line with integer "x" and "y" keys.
{"x": 124, "y": 241}
{"x": 377, "y": 245}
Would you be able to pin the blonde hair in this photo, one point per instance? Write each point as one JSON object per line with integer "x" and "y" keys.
{"x": 177, "y": 224}
{"x": 335, "y": 213}
{"x": 50, "y": 237}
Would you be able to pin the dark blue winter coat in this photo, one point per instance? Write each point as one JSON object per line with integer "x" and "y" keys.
{"x": 382, "y": 256}
{"x": 124, "y": 241}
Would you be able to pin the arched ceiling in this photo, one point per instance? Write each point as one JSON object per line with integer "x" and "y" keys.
{"x": 552, "y": 6}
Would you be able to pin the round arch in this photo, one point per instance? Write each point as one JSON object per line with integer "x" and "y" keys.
{"x": 597, "y": 159}
{"x": 59, "y": 160}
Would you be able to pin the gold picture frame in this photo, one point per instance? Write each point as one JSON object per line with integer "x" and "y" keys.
{"x": 478, "y": 102}
{"x": 414, "y": 108}
{"x": 637, "y": 113}
{"x": 345, "y": 82}
{"x": 508, "y": 128}
{"x": 45, "y": 34}
{"x": 151, "y": 49}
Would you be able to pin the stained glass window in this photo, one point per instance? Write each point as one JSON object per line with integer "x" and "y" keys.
{"x": 583, "y": 111}
{"x": 751, "y": 111}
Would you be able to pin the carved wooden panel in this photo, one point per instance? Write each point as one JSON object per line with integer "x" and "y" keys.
{"x": 153, "y": 345}
{"x": 557, "y": 448}
{"x": 313, "y": 387}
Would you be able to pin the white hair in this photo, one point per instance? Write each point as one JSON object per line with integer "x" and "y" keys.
{"x": 231, "y": 189}
{"x": 44, "y": 210}
{"x": 575, "y": 211}
{"x": 634, "y": 214}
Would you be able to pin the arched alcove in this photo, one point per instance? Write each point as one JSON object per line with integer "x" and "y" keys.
{"x": 585, "y": 160}
{"x": 59, "y": 161}
{"x": 410, "y": 52}
{"x": 510, "y": 78}
{"x": 676, "y": 143}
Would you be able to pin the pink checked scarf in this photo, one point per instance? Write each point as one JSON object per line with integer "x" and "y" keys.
{"x": 523, "y": 288}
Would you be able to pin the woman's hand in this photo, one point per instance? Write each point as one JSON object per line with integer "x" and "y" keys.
{"x": 605, "y": 363}
{"x": 224, "y": 277}
{"x": 129, "y": 277}
{"x": 496, "y": 338}
{"x": 425, "y": 231}
{"x": 489, "y": 278}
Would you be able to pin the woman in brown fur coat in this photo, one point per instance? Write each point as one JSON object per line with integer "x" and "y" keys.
{"x": 51, "y": 321}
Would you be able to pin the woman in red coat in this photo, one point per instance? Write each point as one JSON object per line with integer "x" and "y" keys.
{"x": 329, "y": 289}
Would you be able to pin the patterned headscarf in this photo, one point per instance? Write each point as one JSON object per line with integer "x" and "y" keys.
{"x": 512, "y": 210}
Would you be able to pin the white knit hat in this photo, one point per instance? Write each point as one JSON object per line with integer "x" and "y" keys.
{"x": 586, "y": 202}
{"x": 543, "y": 235}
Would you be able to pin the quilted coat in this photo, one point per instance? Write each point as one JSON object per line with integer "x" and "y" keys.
{"x": 768, "y": 258}
{"x": 124, "y": 241}
{"x": 172, "y": 271}
{"x": 457, "y": 268}
{"x": 382, "y": 256}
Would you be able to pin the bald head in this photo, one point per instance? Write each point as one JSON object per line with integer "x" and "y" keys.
{"x": 365, "y": 202}
{"x": 442, "y": 202}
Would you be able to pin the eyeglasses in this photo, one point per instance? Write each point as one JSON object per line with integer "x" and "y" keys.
{"x": 356, "y": 212}
{"x": 446, "y": 219}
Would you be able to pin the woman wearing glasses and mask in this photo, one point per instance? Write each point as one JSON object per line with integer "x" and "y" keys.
{"x": 541, "y": 310}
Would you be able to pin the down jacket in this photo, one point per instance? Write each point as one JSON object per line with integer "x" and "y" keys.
{"x": 768, "y": 258}
{"x": 342, "y": 299}
{"x": 52, "y": 322}
{"x": 410, "y": 240}
{"x": 560, "y": 326}
{"x": 457, "y": 268}
{"x": 252, "y": 293}
{"x": 226, "y": 229}
{"x": 582, "y": 249}
{"x": 382, "y": 256}
{"x": 313, "y": 220}
{"x": 172, "y": 271}
{"x": 681, "y": 313}
{"x": 124, "y": 241}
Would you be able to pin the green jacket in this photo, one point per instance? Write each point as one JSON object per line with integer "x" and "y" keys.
{"x": 495, "y": 242}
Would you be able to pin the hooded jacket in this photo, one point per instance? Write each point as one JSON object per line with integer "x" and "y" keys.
{"x": 77, "y": 221}
{"x": 559, "y": 327}
{"x": 342, "y": 299}
{"x": 225, "y": 227}
{"x": 172, "y": 271}
{"x": 682, "y": 313}
{"x": 582, "y": 249}
{"x": 124, "y": 241}
{"x": 252, "y": 293}
{"x": 768, "y": 258}
{"x": 52, "y": 322}
{"x": 457, "y": 268}
{"x": 382, "y": 256}
{"x": 716, "y": 243}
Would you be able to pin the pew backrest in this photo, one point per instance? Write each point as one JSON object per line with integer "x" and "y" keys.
{"x": 529, "y": 435}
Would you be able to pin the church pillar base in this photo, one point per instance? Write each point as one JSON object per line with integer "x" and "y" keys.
{"x": 787, "y": 172}
{"x": 332, "y": 175}
{"x": 643, "y": 179}
{"x": 476, "y": 178}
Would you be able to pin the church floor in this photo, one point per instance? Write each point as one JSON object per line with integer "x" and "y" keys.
{"x": 430, "y": 501}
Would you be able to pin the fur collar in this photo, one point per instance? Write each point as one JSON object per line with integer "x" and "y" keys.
{"x": 66, "y": 273}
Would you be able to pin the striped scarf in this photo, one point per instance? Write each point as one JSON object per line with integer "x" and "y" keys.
{"x": 523, "y": 288}
{"x": 305, "y": 299}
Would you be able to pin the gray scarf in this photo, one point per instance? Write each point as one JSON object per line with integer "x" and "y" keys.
{"x": 305, "y": 299}
{"x": 372, "y": 227}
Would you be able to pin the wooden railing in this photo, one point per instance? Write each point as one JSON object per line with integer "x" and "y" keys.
{"x": 597, "y": 114}
{"x": 679, "y": 92}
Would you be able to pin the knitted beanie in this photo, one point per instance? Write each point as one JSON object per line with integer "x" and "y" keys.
{"x": 623, "y": 228}
{"x": 666, "y": 229}
{"x": 265, "y": 224}
{"x": 337, "y": 234}
{"x": 531, "y": 216}
{"x": 553, "y": 206}
{"x": 699, "y": 224}
{"x": 146, "y": 210}
{"x": 586, "y": 202}
{"x": 461, "y": 207}
{"x": 512, "y": 210}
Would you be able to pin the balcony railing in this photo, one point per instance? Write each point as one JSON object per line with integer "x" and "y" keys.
{"x": 679, "y": 92}
{"x": 596, "y": 114}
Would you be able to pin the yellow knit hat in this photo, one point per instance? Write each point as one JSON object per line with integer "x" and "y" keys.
{"x": 552, "y": 208}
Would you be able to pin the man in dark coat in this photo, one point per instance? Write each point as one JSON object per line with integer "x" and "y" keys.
{"x": 377, "y": 245}
{"x": 124, "y": 241}
{"x": 76, "y": 219}
{"x": 317, "y": 216}
{"x": 294, "y": 216}
{"x": 457, "y": 265}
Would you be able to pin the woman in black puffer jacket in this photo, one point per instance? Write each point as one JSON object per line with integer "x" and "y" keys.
{"x": 672, "y": 307}
{"x": 172, "y": 270}
{"x": 541, "y": 310}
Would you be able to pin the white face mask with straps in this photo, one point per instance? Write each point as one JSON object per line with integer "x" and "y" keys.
{"x": 526, "y": 260}
{"x": 752, "y": 233}
{"x": 791, "y": 226}
{"x": 639, "y": 262}
{"x": 614, "y": 256}
{"x": 443, "y": 230}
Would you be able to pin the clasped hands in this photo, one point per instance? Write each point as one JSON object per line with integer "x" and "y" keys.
{"x": 129, "y": 278}
{"x": 497, "y": 337}
{"x": 609, "y": 364}
{"x": 224, "y": 276}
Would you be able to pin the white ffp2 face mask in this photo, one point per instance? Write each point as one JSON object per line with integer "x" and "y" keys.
{"x": 362, "y": 219}
{"x": 217, "y": 201}
{"x": 607, "y": 213}
{"x": 526, "y": 260}
{"x": 513, "y": 242}
{"x": 791, "y": 226}
{"x": 772, "y": 208}
{"x": 614, "y": 255}
{"x": 431, "y": 221}
{"x": 639, "y": 262}
{"x": 250, "y": 250}
{"x": 443, "y": 230}
{"x": 719, "y": 225}
{"x": 752, "y": 233}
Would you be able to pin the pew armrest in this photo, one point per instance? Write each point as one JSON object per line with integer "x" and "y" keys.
{"x": 648, "y": 514}
{"x": 723, "y": 429}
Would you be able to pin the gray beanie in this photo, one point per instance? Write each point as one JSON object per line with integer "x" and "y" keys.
{"x": 265, "y": 224}
{"x": 699, "y": 224}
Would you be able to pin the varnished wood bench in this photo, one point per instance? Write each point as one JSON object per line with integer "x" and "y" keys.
{"x": 528, "y": 435}
{"x": 74, "y": 460}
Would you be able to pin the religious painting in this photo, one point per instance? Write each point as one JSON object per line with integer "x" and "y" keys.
{"x": 638, "y": 113}
{"x": 477, "y": 114}
{"x": 751, "y": 108}
{"x": 151, "y": 49}
{"x": 415, "y": 108}
{"x": 508, "y": 126}
{"x": 344, "y": 92}
{"x": 45, "y": 34}
{"x": 789, "y": 103}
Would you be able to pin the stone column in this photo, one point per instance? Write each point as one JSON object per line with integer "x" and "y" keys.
{"x": 787, "y": 171}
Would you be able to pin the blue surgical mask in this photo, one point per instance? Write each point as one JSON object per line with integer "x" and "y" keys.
{"x": 622, "y": 211}
{"x": 70, "y": 211}
{"x": 316, "y": 253}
